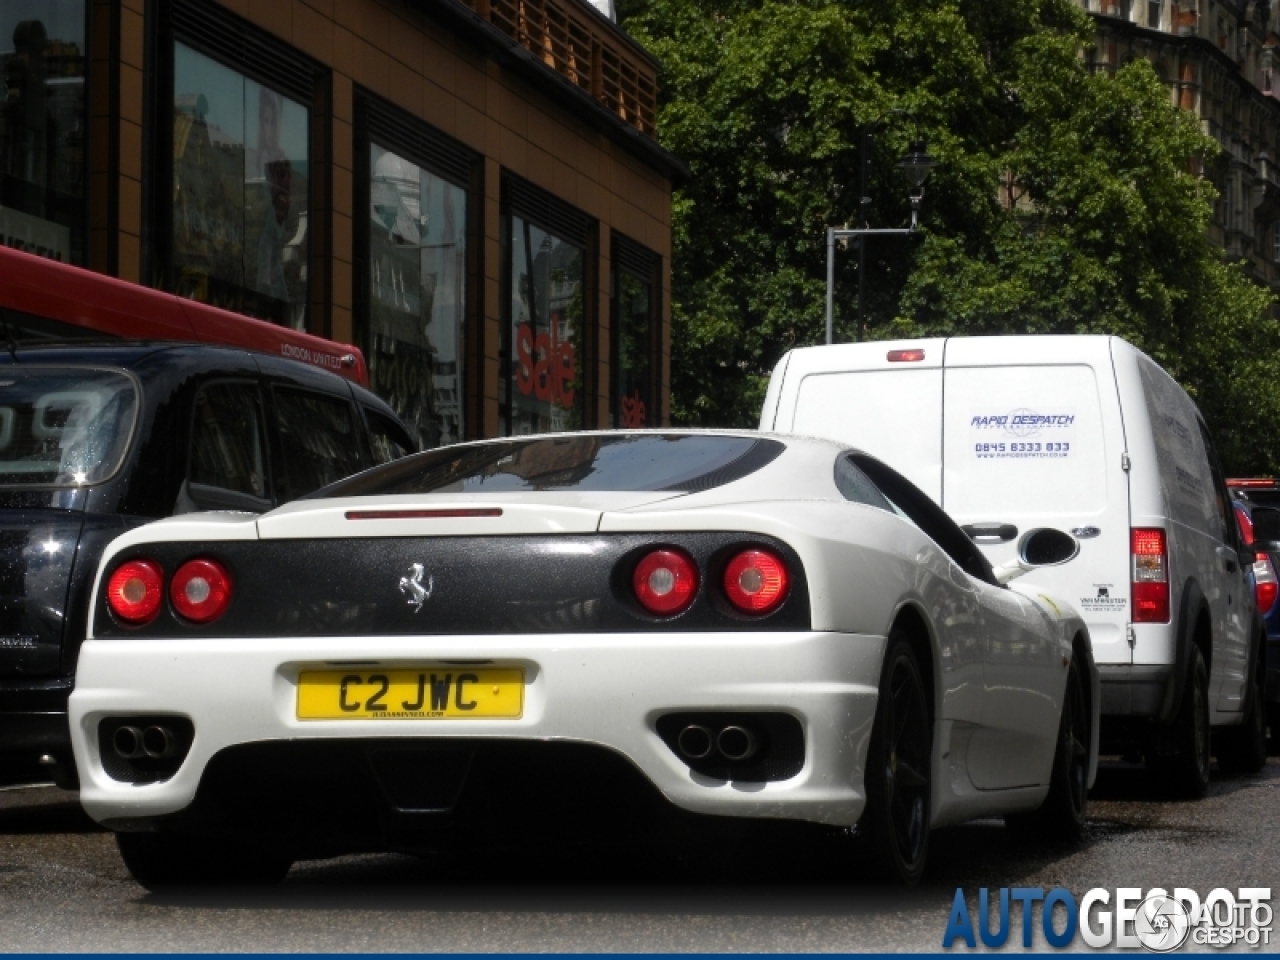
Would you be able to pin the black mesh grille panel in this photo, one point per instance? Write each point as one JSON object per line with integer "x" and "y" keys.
{"x": 545, "y": 209}
{"x": 211, "y": 28}
{"x": 634, "y": 258}
{"x": 401, "y": 132}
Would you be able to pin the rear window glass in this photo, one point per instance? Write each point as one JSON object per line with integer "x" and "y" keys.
{"x": 62, "y": 426}
{"x": 585, "y": 463}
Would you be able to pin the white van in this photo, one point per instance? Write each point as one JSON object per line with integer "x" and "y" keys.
{"x": 1088, "y": 435}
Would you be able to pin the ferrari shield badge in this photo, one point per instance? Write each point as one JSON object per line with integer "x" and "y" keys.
{"x": 415, "y": 590}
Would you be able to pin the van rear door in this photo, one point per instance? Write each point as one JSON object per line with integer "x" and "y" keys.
{"x": 883, "y": 398}
{"x": 1033, "y": 437}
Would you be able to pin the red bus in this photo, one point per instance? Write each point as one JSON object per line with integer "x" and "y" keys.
{"x": 51, "y": 300}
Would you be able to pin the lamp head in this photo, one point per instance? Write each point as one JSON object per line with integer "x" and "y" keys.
{"x": 917, "y": 165}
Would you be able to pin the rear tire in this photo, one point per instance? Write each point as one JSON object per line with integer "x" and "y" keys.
{"x": 1186, "y": 772}
{"x": 895, "y": 825}
{"x": 1063, "y": 813}
{"x": 163, "y": 860}
{"x": 1243, "y": 749}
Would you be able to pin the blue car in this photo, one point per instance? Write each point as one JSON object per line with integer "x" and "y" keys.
{"x": 1259, "y": 523}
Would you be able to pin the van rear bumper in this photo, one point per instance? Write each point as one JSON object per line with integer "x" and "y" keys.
{"x": 1143, "y": 690}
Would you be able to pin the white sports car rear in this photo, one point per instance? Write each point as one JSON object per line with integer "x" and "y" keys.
{"x": 481, "y": 639}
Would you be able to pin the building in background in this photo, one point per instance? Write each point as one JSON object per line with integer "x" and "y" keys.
{"x": 470, "y": 190}
{"x": 1221, "y": 60}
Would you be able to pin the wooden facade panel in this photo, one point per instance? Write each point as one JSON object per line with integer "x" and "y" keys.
{"x": 413, "y": 62}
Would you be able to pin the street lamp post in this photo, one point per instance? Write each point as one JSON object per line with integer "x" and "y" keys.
{"x": 917, "y": 165}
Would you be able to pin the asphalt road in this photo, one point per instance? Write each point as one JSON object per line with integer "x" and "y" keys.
{"x": 63, "y": 887}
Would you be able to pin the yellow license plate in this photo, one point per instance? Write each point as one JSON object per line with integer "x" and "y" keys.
{"x": 417, "y": 694}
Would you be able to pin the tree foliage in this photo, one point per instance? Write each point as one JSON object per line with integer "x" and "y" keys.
{"x": 766, "y": 100}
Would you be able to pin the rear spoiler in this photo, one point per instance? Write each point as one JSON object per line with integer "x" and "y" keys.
{"x": 92, "y": 301}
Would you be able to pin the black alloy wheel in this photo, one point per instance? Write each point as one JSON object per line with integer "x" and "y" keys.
{"x": 1063, "y": 813}
{"x": 895, "y": 824}
{"x": 1243, "y": 749}
{"x": 164, "y": 860}
{"x": 1186, "y": 771}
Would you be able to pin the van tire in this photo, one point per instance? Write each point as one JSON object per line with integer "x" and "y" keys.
{"x": 1062, "y": 815}
{"x": 1243, "y": 749}
{"x": 1185, "y": 768}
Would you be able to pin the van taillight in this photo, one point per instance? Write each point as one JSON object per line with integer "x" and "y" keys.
{"x": 1266, "y": 586}
{"x": 1150, "y": 575}
{"x": 905, "y": 356}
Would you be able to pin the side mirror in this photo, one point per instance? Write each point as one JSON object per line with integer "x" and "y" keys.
{"x": 1041, "y": 547}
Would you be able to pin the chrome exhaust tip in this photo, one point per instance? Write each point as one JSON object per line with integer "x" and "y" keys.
{"x": 127, "y": 742}
{"x": 159, "y": 743}
{"x": 695, "y": 742}
{"x": 736, "y": 743}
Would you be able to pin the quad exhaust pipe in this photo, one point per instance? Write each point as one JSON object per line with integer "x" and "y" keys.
{"x": 735, "y": 743}
{"x": 155, "y": 742}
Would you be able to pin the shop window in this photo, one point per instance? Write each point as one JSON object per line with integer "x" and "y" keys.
{"x": 237, "y": 197}
{"x": 545, "y": 311}
{"x": 42, "y": 127}
{"x": 417, "y": 294}
{"x": 415, "y": 263}
{"x": 1275, "y": 242}
{"x": 635, "y": 323}
{"x": 240, "y": 192}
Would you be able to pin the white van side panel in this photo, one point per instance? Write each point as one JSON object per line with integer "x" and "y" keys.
{"x": 1034, "y": 437}
{"x": 1199, "y": 515}
{"x": 854, "y": 394}
{"x": 769, "y": 412}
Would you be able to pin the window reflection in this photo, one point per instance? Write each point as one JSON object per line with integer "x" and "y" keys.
{"x": 42, "y": 127}
{"x": 543, "y": 330}
{"x": 417, "y": 238}
{"x": 240, "y": 192}
{"x": 633, "y": 391}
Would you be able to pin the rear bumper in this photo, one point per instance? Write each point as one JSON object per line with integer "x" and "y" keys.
{"x": 1141, "y": 690}
{"x": 595, "y": 690}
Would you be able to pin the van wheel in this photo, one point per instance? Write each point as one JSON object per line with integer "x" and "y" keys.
{"x": 1243, "y": 749}
{"x": 1186, "y": 771}
{"x": 1062, "y": 815}
{"x": 161, "y": 860}
{"x": 895, "y": 825}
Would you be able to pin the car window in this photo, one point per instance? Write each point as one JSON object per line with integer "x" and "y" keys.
{"x": 387, "y": 439}
{"x": 227, "y": 463}
{"x": 589, "y": 462}
{"x": 64, "y": 426}
{"x": 916, "y": 506}
{"x": 318, "y": 442}
{"x": 855, "y": 485}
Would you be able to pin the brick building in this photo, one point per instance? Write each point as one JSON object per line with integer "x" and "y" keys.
{"x": 469, "y": 190}
{"x": 1220, "y": 59}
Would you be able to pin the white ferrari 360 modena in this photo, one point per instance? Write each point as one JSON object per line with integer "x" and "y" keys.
{"x": 475, "y": 642}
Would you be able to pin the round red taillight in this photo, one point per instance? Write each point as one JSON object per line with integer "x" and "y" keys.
{"x": 665, "y": 581}
{"x": 135, "y": 591}
{"x": 200, "y": 590}
{"x": 756, "y": 581}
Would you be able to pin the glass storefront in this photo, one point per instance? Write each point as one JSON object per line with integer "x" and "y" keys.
{"x": 240, "y": 192}
{"x": 43, "y": 127}
{"x": 633, "y": 324}
{"x": 417, "y": 295}
{"x": 543, "y": 330}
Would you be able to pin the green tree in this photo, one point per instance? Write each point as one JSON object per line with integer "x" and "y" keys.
{"x": 767, "y": 99}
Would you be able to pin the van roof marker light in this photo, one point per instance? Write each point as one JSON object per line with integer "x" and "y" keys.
{"x": 446, "y": 514}
{"x": 905, "y": 356}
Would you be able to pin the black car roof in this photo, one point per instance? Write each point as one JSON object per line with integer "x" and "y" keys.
{"x": 128, "y": 353}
